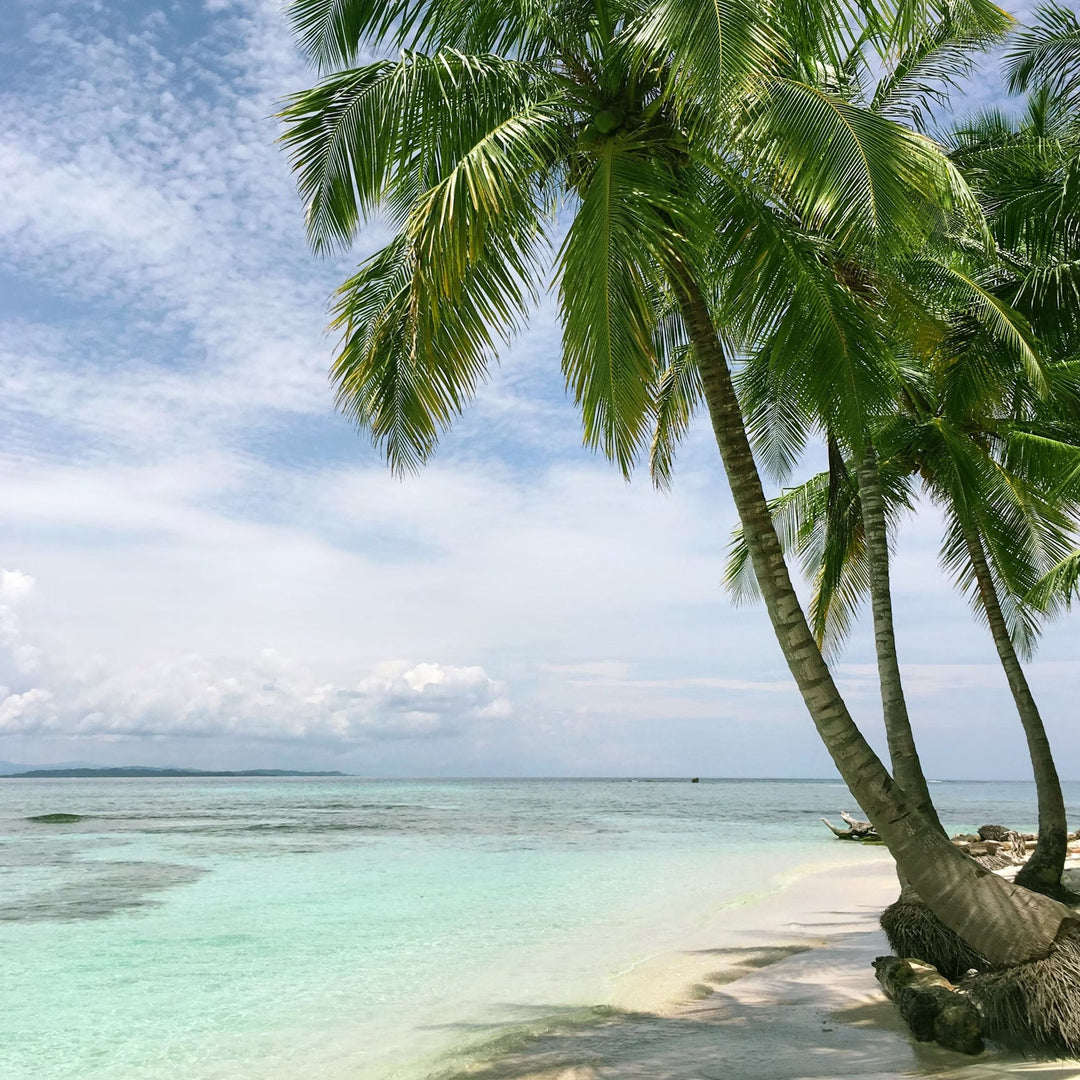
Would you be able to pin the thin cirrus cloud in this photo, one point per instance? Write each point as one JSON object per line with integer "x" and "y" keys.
{"x": 226, "y": 574}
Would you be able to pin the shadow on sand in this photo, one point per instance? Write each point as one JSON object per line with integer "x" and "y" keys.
{"x": 781, "y": 1013}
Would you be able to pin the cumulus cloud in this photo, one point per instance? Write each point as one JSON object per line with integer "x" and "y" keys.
{"x": 15, "y": 586}
{"x": 269, "y": 698}
{"x": 17, "y": 654}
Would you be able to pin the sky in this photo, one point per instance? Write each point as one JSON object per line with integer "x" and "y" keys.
{"x": 205, "y": 566}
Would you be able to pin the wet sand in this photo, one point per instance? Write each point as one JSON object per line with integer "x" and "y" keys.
{"x": 783, "y": 991}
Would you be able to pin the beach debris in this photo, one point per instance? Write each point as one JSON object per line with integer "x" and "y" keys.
{"x": 856, "y": 829}
{"x": 934, "y": 1009}
{"x": 996, "y": 846}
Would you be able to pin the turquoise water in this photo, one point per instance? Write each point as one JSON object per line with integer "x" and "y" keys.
{"x": 350, "y": 928}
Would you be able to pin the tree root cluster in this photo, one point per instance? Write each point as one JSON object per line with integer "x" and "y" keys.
{"x": 1035, "y": 1004}
{"x": 1032, "y": 1005}
{"x": 914, "y": 930}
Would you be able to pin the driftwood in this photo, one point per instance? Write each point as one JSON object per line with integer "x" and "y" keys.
{"x": 995, "y": 846}
{"x": 984, "y": 847}
{"x": 856, "y": 830}
{"x": 931, "y": 1006}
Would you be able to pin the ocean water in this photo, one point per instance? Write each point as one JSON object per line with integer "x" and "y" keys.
{"x": 347, "y": 928}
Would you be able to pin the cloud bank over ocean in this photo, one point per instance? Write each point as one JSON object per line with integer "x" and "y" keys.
{"x": 207, "y": 566}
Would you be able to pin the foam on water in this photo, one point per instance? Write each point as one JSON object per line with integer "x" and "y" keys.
{"x": 347, "y": 928}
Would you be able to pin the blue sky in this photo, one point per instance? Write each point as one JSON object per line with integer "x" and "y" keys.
{"x": 206, "y": 566}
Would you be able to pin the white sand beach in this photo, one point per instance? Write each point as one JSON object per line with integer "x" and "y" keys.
{"x": 785, "y": 992}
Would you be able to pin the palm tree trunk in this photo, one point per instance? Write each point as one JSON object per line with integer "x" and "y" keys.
{"x": 1043, "y": 870}
{"x": 1006, "y": 924}
{"x": 906, "y": 766}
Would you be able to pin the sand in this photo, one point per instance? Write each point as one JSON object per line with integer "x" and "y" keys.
{"x": 784, "y": 990}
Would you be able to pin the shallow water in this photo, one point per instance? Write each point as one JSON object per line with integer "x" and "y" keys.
{"x": 348, "y": 928}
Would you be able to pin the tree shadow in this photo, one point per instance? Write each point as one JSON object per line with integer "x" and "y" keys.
{"x": 762, "y": 1017}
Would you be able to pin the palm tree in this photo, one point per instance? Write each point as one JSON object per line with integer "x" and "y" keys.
{"x": 675, "y": 136}
{"x": 1026, "y": 174}
{"x": 999, "y": 480}
{"x": 916, "y": 77}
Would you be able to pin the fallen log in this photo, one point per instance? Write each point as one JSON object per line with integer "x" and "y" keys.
{"x": 932, "y": 1007}
{"x": 855, "y": 824}
{"x": 856, "y": 830}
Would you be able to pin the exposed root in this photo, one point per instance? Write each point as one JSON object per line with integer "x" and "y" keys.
{"x": 1037, "y": 1003}
{"x": 915, "y": 931}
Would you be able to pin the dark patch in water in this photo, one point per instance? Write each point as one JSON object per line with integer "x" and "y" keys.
{"x": 56, "y": 819}
{"x": 103, "y": 889}
{"x": 313, "y": 827}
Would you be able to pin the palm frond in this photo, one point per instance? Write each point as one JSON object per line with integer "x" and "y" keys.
{"x": 959, "y": 288}
{"x": 678, "y": 395}
{"x": 1048, "y": 464}
{"x": 856, "y": 174}
{"x": 937, "y": 62}
{"x": 710, "y": 49}
{"x": 611, "y": 295}
{"x": 336, "y": 33}
{"x": 360, "y": 134}
{"x": 777, "y": 419}
{"x": 1054, "y": 593}
{"x": 1047, "y": 52}
{"x": 421, "y": 319}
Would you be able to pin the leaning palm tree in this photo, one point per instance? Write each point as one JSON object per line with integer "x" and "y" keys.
{"x": 1026, "y": 173}
{"x": 956, "y": 408}
{"x": 1004, "y": 486}
{"x": 656, "y": 135}
{"x": 917, "y": 77}
{"x": 1026, "y": 177}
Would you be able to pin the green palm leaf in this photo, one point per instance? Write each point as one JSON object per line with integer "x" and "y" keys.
{"x": 379, "y": 133}
{"x": 1048, "y": 53}
{"x": 627, "y": 226}
{"x": 855, "y": 174}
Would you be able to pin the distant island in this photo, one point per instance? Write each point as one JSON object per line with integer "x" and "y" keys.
{"x": 141, "y": 771}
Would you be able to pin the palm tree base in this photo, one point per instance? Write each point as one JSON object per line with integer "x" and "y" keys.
{"x": 1036, "y": 1004}
{"x": 916, "y": 933}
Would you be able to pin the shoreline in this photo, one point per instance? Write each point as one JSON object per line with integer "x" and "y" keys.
{"x": 784, "y": 991}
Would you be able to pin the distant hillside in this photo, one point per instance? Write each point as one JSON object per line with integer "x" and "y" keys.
{"x": 9, "y": 768}
{"x": 146, "y": 772}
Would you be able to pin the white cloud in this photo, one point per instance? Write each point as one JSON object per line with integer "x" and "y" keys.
{"x": 15, "y": 586}
{"x": 31, "y": 710}
{"x": 268, "y": 698}
{"x": 174, "y": 475}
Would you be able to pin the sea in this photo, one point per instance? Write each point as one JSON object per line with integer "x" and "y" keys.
{"x": 336, "y": 927}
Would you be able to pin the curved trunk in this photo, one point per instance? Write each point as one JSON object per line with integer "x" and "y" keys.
{"x": 1006, "y": 924}
{"x": 1043, "y": 870}
{"x": 906, "y": 767}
